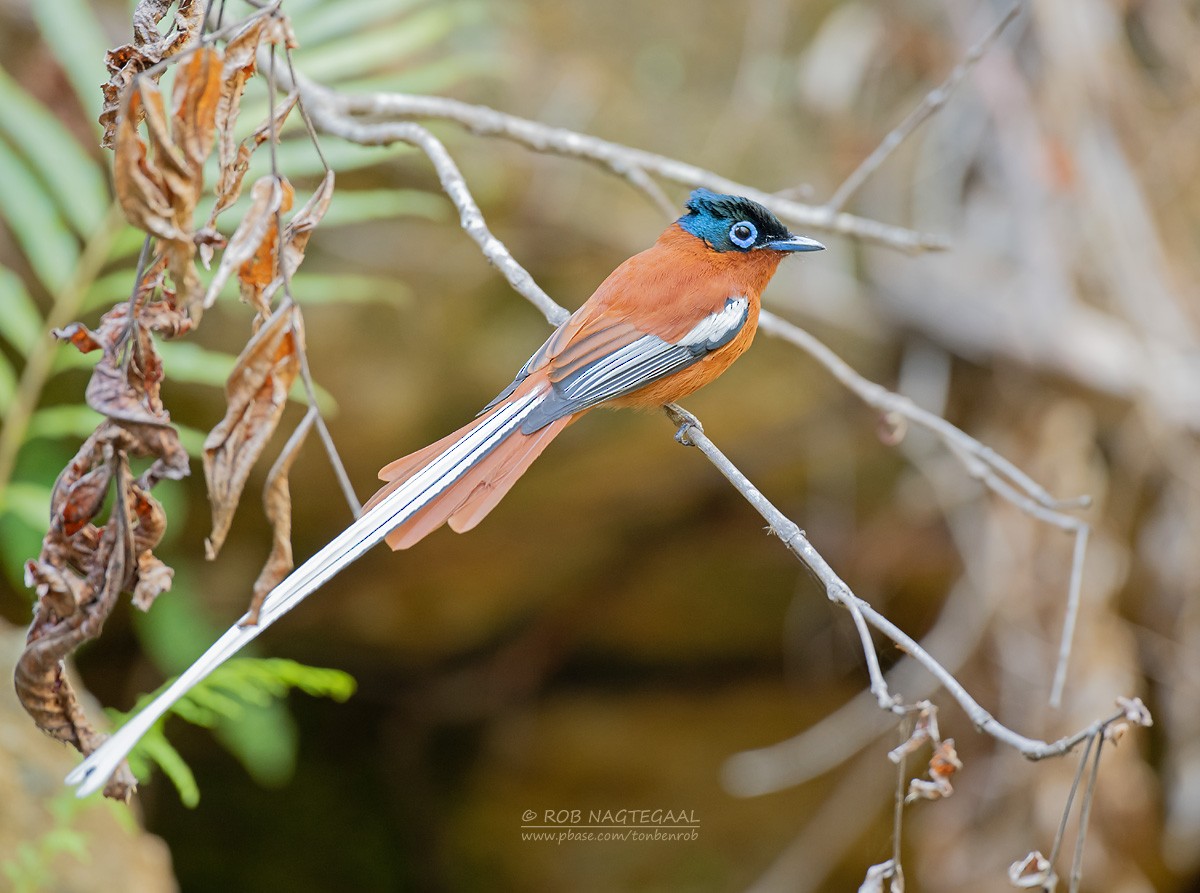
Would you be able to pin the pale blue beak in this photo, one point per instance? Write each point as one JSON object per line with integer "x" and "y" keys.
{"x": 795, "y": 243}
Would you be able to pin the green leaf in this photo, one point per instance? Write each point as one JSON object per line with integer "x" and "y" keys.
{"x": 326, "y": 23}
{"x": 35, "y": 222}
{"x": 28, "y": 501}
{"x": 154, "y": 747}
{"x": 72, "y": 31}
{"x": 75, "y": 180}
{"x": 8, "y": 383}
{"x": 385, "y": 47}
{"x": 364, "y": 205}
{"x": 349, "y": 288}
{"x": 184, "y": 361}
{"x": 20, "y": 324}
{"x": 73, "y": 420}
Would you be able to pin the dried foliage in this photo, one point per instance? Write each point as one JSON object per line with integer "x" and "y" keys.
{"x": 149, "y": 48}
{"x": 83, "y": 565}
{"x": 158, "y": 173}
{"x": 256, "y": 394}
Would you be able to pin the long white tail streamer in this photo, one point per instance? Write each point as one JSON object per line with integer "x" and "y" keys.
{"x": 91, "y": 775}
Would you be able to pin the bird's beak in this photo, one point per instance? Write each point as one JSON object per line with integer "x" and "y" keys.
{"x": 795, "y": 243}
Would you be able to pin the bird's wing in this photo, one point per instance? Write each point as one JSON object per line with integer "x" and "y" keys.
{"x": 608, "y": 358}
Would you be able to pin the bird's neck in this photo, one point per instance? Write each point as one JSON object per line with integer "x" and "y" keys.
{"x": 752, "y": 270}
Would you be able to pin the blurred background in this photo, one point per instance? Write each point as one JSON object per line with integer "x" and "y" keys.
{"x": 621, "y": 628}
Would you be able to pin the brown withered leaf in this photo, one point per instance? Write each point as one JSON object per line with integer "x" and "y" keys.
{"x": 233, "y": 167}
{"x": 82, "y": 568}
{"x": 153, "y": 579}
{"x": 83, "y": 500}
{"x": 295, "y": 239}
{"x": 108, "y": 392}
{"x": 149, "y": 47}
{"x": 81, "y": 336}
{"x": 72, "y": 609}
{"x": 942, "y": 766}
{"x": 277, "y": 500}
{"x": 140, "y": 188}
{"x": 256, "y": 394}
{"x": 196, "y": 99}
{"x": 255, "y": 235}
{"x": 238, "y": 67}
{"x": 159, "y": 179}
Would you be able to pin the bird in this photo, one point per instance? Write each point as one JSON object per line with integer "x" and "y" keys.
{"x": 663, "y": 324}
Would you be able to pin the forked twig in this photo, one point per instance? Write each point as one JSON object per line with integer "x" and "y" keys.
{"x": 934, "y": 100}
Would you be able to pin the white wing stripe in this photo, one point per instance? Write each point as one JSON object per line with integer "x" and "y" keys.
{"x": 366, "y": 531}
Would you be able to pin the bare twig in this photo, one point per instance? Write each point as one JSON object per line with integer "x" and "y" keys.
{"x": 470, "y": 217}
{"x": 793, "y": 537}
{"x": 282, "y": 271}
{"x": 933, "y": 101}
{"x": 1085, "y": 811}
{"x": 983, "y": 463}
{"x": 343, "y": 111}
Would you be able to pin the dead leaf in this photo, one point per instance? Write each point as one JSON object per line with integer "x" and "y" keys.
{"x": 942, "y": 765}
{"x": 295, "y": 238}
{"x": 232, "y": 169}
{"x": 238, "y": 67}
{"x": 277, "y": 500}
{"x": 159, "y": 179}
{"x": 256, "y": 394}
{"x": 255, "y": 235}
{"x": 1034, "y": 871}
{"x": 84, "y": 498}
{"x": 150, "y": 46}
{"x": 78, "y": 334}
{"x": 75, "y": 614}
{"x": 154, "y": 578}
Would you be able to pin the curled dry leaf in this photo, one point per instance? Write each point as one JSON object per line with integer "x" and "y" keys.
{"x": 878, "y": 873}
{"x": 942, "y": 765}
{"x": 153, "y": 579}
{"x": 71, "y": 610}
{"x": 159, "y": 180}
{"x": 149, "y": 47}
{"x": 295, "y": 241}
{"x": 81, "y": 336}
{"x": 925, "y": 728}
{"x": 277, "y": 500}
{"x": 255, "y": 396}
{"x": 1135, "y": 711}
{"x": 84, "y": 565}
{"x": 253, "y": 243}
{"x": 1033, "y": 871}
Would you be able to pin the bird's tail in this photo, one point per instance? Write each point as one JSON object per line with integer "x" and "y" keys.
{"x": 458, "y": 480}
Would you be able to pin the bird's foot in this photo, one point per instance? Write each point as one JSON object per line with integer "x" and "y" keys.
{"x": 685, "y": 420}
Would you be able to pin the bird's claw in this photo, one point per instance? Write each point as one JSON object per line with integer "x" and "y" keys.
{"x": 686, "y": 421}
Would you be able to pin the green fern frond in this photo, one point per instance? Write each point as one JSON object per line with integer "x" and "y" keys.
{"x": 232, "y": 691}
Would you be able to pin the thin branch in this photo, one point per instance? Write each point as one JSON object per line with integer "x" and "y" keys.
{"x": 795, "y": 540}
{"x": 933, "y": 101}
{"x": 281, "y": 271}
{"x": 470, "y": 217}
{"x": 983, "y": 463}
{"x": 381, "y": 109}
{"x": 1074, "y": 597}
{"x": 898, "y": 818}
{"x": 1062, "y": 825}
{"x": 1085, "y": 811}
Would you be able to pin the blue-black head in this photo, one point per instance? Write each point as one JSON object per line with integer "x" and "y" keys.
{"x": 734, "y": 223}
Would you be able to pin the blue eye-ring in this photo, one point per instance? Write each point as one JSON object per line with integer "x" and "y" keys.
{"x": 743, "y": 233}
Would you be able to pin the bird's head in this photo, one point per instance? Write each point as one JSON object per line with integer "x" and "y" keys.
{"x": 730, "y": 223}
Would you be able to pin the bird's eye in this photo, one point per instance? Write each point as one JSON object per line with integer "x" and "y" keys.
{"x": 743, "y": 234}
